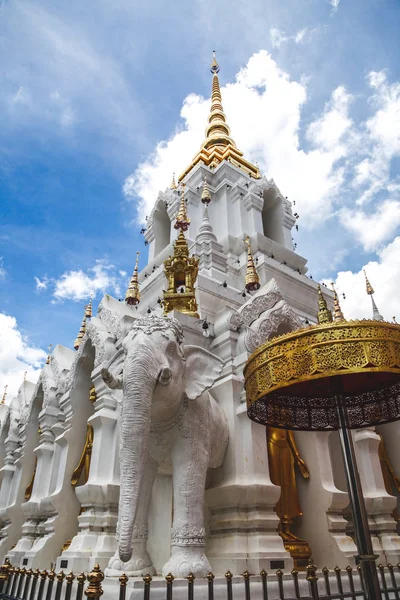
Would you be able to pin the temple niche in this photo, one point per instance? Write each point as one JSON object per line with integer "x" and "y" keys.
{"x": 222, "y": 278}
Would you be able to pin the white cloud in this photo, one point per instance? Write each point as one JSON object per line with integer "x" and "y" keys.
{"x": 41, "y": 284}
{"x": 17, "y": 356}
{"x": 279, "y": 37}
{"x": 335, "y": 5}
{"x": 372, "y": 229}
{"x": 3, "y": 272}
{"x": 384, "y": 274}
{"x": 78, "y": 285}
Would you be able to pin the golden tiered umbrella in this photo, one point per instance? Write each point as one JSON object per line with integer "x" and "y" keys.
{"x": 336, "y": 375}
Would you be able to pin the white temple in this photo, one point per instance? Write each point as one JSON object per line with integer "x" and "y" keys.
{"x": 60, "y": 447}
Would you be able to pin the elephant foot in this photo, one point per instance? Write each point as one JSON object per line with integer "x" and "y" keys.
{"x": 136, "y": 566}
{"x": 185, "y": 560}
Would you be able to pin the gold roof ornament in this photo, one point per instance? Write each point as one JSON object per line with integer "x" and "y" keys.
{"x": 337, "y": 311}
{"x": 81, "y": 333}
{"x": 173, "y": 185}
{"x": 252, "y": 279}
{"x": 181, "y": 273}
{"x": 205, "y": 196}
{"x": 3, "y": 400}
{"x": 182, "y": 220}
{"x": 132, "y": 296}
{"x": 88, "y": 309}
{"x": 324, "y": 314}
{"x": 218, "y": 145}
{"x": 370, "y": 291}
{"x": 49, "y": 347}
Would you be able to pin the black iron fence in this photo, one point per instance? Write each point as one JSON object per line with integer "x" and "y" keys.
{"x": 338, "y": 584}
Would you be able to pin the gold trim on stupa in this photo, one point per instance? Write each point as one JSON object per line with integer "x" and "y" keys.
{"x": 324, "y": 314}
{"x": 369, "y": 288}
{"x": 182, "y": 220}
{"x": 132, "y": 296}
{"x": 49, "y": 347}
{"x": 173, "y": 185}
{"x": 88, "y": 309}
{"x": 205, "y": 195}
{"x": 82, "y": 332}
{"x": 218, "y": 145}
{"x": 181, "y": 273}
{"x": 252, "y": 279}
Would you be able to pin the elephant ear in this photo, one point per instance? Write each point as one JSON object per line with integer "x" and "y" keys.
{"x": 201, "y": 370}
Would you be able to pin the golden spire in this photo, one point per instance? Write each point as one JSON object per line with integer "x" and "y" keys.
{"x": 3, "y": 400}
{"x": 252, "y": 280}
{"x": 132, "y": 296}
{"x": 218, "y": 145}
{"x": 324, "y": 314}
{"x": 49, "y": 347}
{"x": 173, "y": 185}
{"x": 81, "y": 333}
{"x": 88, "y": 309}
{"x": 182, "y": 220}
{"x": 370, "y": 291}
{"x": 337, "y": 311}
{"x": 205, "y": 196}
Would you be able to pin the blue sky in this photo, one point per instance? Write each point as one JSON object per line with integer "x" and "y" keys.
{"x": 100, "y": 101}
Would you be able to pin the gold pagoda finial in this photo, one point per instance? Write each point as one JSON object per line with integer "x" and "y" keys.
{"x": 324, "y": 314}
{"x": 88, "y": 309}
{"x": 205, "y": 196}
{"x": 337, "y": 311}
{"x": 182, "y": 220}
{"x": 218, "y": 145}
{"x": 132, "y": 296}
{"x": 82, "y": 331}
{"x": 252, "y": 280}
{"x": 370, "y": 289}
{"x": 49, "y": 347}
{"x": 3, "y": 400}
{"x": 173, "y": 185}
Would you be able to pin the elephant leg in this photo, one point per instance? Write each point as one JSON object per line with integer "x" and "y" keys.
{"x": 140, "y": 562}
{"x": 190, "y": 464}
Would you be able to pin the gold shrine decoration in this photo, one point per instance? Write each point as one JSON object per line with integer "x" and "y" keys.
{"x": 84, "y": 461}
{"x": 29, "y": 489}
{"x": 218, "y": 145}
{"x": 181, "y": 273}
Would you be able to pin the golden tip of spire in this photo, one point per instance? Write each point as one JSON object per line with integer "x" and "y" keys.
{"x": 370, "y": 289}
{"x": 132, "y": 296}
{"x": 337, "y": 311}
{"x": 214, "y": 68}
{"x": 49, "y": 347}
{"x": 252, "y": 279}
{"x": 182, "y": 220}
{"x": 88, "y": 309}
{"x": 324, "y": 314}
{"x": 3, "y": 400}
{"x": 173, "y": 185}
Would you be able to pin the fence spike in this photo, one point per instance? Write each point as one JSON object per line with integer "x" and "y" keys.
{"x": 210, "y": 576}
{"x": 95, "y": 577}
{"x": 246, "y": 575}
{"x": 190, "y": 577}
{"x": 60, "y": 576}
{"x": 170, "y": 578}
{"x": 123, "y": 580}
{"x": 263, "y": 573}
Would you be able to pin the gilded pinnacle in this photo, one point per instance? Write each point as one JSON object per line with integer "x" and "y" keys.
{"x": 49, "y": 347}
{"x": 173, "y": 185}
{"x": 88, "y": 309}
{"x": 81, "y": 333}
{"x": 324, "y": 314}
{"x": 132, "y": 296}
{"x": 337, "y": 311}
{"x": 252, "y": 280}
{"x": 3, "y": 400}
{"x": 370, "y": 289}
{"x": 182, "y": 220}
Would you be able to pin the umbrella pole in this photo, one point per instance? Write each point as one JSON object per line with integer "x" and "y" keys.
{"x": 366, "y": 554}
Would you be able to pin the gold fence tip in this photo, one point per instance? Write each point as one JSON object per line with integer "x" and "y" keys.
{"x": 190, "y": 577}
{"x": 349, "y": 569}
{"x": 210, "y": 576}
{"x": 246, "y": 575}
{"x": 169, "y": 578}
{"x": 43, "y": 574}
{"x": 279, "y": 573}
{"x": 81, "y": 578}
{"x": 36, "y": 573}
{"x": 23, "y": 571}
{"x": 51, "y": 575}
{"x": 148, "y": 578}
{"x": 228, "y": 575}
{"x": 337, "y": 569}
{"x": 123, "y": 580}
{"x": 95, "y": 577}
{"x": 380, "y": 566}
{"x": 325, "y": 570}
{"x": 70, "y": 578}
{"x": 29, "y": 573}
{"x": 359, "y": 567}
{"x": 60, "y": 576}
{"x": 294, "y": 572}
{"x": 263, "y": 573}
{"x": 390, "y": 566}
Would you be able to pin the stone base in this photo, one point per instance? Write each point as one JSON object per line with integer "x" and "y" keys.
{"x": 99, "y": 548}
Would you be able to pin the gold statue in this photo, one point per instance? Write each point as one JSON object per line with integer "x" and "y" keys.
{"x": 283, "y": 454}
{"x": 84, "y": 461}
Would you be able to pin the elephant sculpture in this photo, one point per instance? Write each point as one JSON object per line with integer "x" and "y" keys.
{"x": 167, "y": 413}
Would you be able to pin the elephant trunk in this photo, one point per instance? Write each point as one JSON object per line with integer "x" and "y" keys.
{"x": 140, "y": 376}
